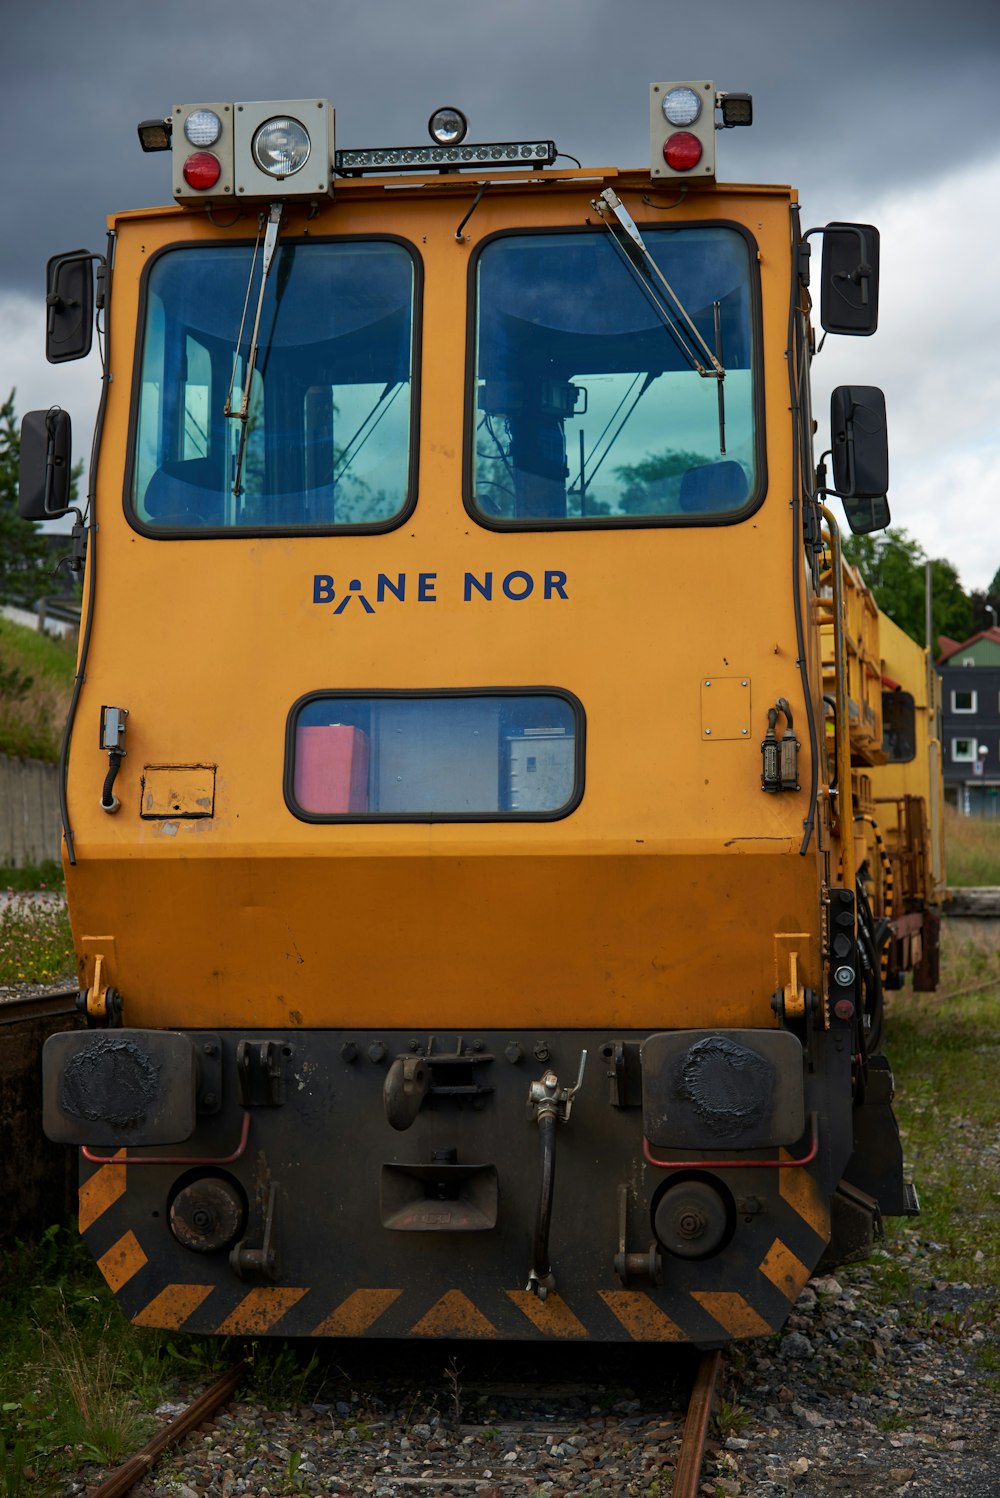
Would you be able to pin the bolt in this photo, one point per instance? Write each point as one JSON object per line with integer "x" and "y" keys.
{"x": 708, "y": 730}
{"x": 513, "y": 1052}
{"x": 416, "y": 1047}
{"x": 209, "y": 1100}
{"x": 376, "y": 1051}
{"x": 844, "y": 975}
{"x": 540, "y": 1051}
{"x": 477, "y": 1045}
{"x": 349, "y": 1051}
{"x": 210, "y": 1048}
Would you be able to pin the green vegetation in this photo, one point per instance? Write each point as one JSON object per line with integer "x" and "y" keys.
{"x": 35, "y": 941}
{"x": 33, "y": 876}
{"x": 893, "y": 564}
{"x": 36, "y": 680}
{"x": 25, "y": 563}
{"x": 972, "y": 850}
{"x": 945, "y": 1050}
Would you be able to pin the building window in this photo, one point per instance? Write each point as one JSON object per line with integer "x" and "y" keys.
{"x": 964, "y": 701}
{"x": 964, "y": 751}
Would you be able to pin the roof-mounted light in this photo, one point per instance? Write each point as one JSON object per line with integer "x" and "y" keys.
{"x": 521, "y": 153}
{"x": 448, "y": 126}
{"x": 202, "y": 127}
{"x": 682, "y": 120}
{"x": 154, "y": 135}
{"x": 737, "y": 109}
{"x": 681, "y": 106}
{"x": 281, "y": 147}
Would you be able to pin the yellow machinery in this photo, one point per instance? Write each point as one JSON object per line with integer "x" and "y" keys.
{"x": 458, "y": 570}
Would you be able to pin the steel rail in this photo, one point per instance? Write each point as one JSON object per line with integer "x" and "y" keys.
{"x": 687, "y": 1473}
{"x": 128, "y": 1474}
{"x": 19, "y": 1009}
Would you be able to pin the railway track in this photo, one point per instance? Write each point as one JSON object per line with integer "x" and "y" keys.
{"x": 669, "y": 1442}
{"x": 21, "y": 1008}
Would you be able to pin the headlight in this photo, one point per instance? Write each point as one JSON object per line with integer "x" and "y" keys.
{"x": 281, "y": 147}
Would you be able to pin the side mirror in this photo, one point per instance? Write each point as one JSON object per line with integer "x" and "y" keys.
{"x": 849, "y": 292}
{"x": 69, "y": 303}
{"x": 46, "y": 466}
{"x": 860, "y": 446}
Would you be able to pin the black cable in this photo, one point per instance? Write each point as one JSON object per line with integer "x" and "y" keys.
{"x": 91, "y": 515}
{"x": 794, "y": 349}
{"x": 547, "y": 1135}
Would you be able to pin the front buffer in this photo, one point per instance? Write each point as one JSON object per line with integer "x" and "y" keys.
{"x": 671, "y": 1187}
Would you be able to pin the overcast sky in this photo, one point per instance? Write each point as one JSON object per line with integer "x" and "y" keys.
{"x": 884, "y": 111}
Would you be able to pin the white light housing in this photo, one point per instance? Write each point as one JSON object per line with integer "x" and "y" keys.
{"x": 284, "y": 149}
{"x": 682, "y": 131}
{"x": 681, "y": 106}
{"x": 281, "y": 147}
{"x": 202, "y": 127}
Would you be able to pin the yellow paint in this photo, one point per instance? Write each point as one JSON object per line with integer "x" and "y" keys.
{"x": 732, "y": 1311}
{"x": 552, "y": 1315}
{"x": 667, "y": 882}
{"x": 122, "y": 1260}
{"x": 453, "y": 1315}
{"x": 357, "y": 1313}
{"x": 802, "y": 1194}
{"x": 259, "y": 1310}
{"x": 641, "y": 1316}
{"x": 172, "y": 1307}
{"x": 100, "y": 1191}
{"x": 177, "y": 791}
{"x": 784, "y": 1269}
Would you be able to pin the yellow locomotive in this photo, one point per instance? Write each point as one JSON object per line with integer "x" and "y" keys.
{"x": 465, "y": 881}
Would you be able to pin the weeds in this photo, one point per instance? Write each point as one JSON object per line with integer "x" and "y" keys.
{"x": 35, "y": 941}
{"x": 972, "y": 849}
{"x": 32, "y": 719}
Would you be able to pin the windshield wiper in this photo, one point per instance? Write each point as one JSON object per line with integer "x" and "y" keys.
{"x": 243, "y": 414}
{"x": 678, "y": 322}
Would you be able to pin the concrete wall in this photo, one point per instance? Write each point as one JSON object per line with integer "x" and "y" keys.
{"x": 29, "y": 812}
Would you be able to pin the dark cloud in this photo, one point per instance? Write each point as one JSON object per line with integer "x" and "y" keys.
{"x": 851, "y": 96}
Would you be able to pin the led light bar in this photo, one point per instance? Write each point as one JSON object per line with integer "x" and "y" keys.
{"x": 533, "y": 153}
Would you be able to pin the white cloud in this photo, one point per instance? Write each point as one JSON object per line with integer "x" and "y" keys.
{"x": 936, "y": 356}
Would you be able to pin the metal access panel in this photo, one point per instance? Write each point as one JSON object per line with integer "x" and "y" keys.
{"x": 315, "y": 178}
{"x": 541, "y": 769}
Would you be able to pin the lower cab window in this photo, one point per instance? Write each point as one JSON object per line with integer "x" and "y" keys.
{"x": 435, "y": 756}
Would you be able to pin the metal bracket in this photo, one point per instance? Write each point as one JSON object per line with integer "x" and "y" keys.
{"x": 258, "y": 1070}
{"x": 630, "y": 1267}
{"x": 244, "y": 1260}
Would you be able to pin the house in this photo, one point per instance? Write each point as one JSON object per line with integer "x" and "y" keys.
{"x": 970, "y": 722}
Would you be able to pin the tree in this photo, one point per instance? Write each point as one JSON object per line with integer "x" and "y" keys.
{"x": 25, "y": 558}
{"x": 893, "y": 564}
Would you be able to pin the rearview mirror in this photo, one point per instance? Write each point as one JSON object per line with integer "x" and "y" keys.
{"x": 859, "y": 441}
{"x": 849, "y": 293}
{"x": 69, "y": 304}
{"x": 46, "y": 466}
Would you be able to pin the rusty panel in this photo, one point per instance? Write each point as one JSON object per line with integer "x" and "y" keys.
{"x": 170, "y": 791}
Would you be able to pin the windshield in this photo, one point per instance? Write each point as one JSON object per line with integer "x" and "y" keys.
{"x": 585, "y": 408}
{"x": 329, "y": 418}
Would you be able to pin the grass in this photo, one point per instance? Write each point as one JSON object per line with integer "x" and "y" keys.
{"x": 32, "y": 718}
{"x": 972, "y": 850}
{"x": 945, "y": 1053}
{"x": 35, "y": 941}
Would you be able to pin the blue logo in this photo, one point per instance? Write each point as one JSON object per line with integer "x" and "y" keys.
{"x": 422, "y": 587}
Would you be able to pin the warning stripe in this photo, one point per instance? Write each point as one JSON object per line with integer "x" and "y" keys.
{"x": 641, "y": 1316}
{"x": 172, "y": 1307}
{"x": 733, "y": 1312}
{"x": 356, "y": 1314}
{"x": 800, "y": 1190}
{"x": 551, "y": 1316}
{"x": 100, "y": 1191}
{"x": 454, "y": 1315}
{"x": 258, "y": 1311}
{"x": 784, "y": 1269}
{"x": 122, "y": 1260}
